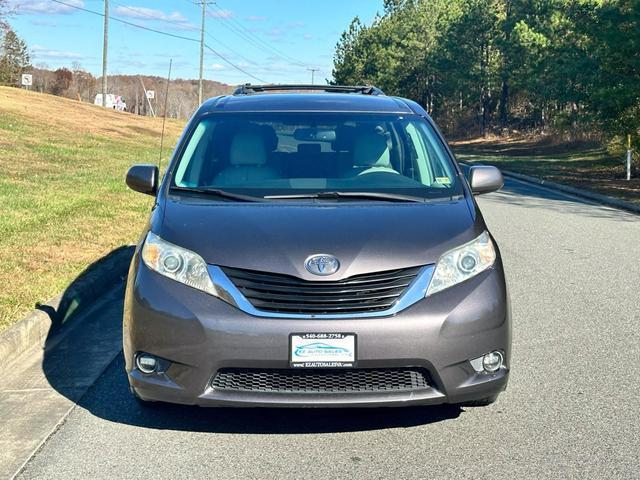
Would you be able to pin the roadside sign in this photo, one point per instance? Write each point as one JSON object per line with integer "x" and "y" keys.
{"x": 151, "y": 94}
{"x": 27, "y": 79}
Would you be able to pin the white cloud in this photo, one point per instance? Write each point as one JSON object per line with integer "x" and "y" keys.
{"x": 41, "y": 52}
{"x": 149, "y": 14}
{"x": 45, "y": 6}
{"x": 256, "y": 18}
{"x": 218, "y": 66}
{"x": 43, "y": 23}
{"x": 275, "y": 32}
{"x": 221, "y": 13}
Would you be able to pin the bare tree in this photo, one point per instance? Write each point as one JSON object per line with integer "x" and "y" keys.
{"x": 4, "y": 13}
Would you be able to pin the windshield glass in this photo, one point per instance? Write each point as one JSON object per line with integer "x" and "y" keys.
{"x": 272, "y": 154}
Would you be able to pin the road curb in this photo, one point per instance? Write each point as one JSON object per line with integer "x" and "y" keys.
{"x": 578, "y": 192}
{"x": 37, "y": 327}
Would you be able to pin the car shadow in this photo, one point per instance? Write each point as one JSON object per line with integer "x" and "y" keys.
{"x": 110, "y": 399}
{"x": 85, "y": 330}
{"x": 83, "y": 361}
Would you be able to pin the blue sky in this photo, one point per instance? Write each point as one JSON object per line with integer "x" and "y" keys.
{"x": 274, "y": 40}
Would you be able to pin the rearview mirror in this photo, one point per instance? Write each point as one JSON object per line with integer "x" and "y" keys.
{"x": 314, "y": 135}
{"x": 485, "y": 179}
{"x": 143, "y": 178}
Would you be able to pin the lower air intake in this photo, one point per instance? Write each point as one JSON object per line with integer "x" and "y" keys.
{"x": 320, "y": 380}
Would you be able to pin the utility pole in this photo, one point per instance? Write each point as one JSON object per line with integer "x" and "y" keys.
{"x": 313, "y": 72}
{"x": 104, "y": 53}
{"x": 204, "y": 13}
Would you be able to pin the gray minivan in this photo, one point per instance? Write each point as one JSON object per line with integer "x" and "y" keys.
{"x": 316, "y": 247}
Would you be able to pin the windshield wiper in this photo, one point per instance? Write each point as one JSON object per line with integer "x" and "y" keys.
{"x": 389, "y": 197}
{"x": 217, "y": 193}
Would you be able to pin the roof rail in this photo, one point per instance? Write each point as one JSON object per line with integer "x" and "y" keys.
{"x": 248, "y": 89}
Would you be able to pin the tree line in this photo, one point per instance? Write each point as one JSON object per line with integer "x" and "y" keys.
{"x": 78, "y": 84}
{"x": 479, "y": 66}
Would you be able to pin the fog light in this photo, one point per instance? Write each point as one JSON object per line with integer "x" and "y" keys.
{"x": 146, "y": 363}
{"x": 492, "y": 362}
{"x": 488, "y": 363}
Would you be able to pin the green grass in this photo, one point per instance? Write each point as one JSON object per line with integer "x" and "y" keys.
{"x": 582, "y": 166}
{"x": 63, "y": 201}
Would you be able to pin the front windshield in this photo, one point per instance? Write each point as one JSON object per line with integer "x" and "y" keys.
{"x": 271, "y": 154}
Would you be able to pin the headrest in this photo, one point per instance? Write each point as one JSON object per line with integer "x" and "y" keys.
{"x": 270, "y": 137}
{"x": 247, "y": 148}
{"x": 371, "y": 150}
{"x": 344, "y": 138}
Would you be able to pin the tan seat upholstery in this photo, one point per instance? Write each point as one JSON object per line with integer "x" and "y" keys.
{"x": 247, "y": 161}
{"x": 371, "y": 154}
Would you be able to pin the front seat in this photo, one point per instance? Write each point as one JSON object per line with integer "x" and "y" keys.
{"x": 247, "y": 161}
{"x": 371, "y": 154}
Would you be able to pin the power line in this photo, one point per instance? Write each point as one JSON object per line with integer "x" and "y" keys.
{"x": 279, "y": 52}
{"x": 234, "y": 65}
{"x": 178, "y": 23}
{"x": 160, "y": 32}
{"x": 181, "y": 37}
{"x": 224, "y": 45}
{"x": 242, "y": 31}
{"x": 141, "y": 12}
{"x": 183, "y": 24}
{"x": 233, "y": 29}
{"x": 203, "y": 4}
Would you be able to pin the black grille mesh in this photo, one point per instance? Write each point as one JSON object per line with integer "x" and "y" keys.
{"x": 287, "y": 294}
{"x": 321, "y": 380}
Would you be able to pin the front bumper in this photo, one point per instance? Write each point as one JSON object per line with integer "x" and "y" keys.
{"x": 200, "y": 334}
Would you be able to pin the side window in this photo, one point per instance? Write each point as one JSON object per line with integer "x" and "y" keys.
{"x": 193, "y": 158}
{"x": 422, "y": 157}
{"x": 444, "y": 175}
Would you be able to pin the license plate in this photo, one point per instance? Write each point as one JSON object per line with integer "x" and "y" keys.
{"x": 322, "y": 350}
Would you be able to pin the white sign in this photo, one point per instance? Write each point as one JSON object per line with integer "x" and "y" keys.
{"x": 332, "y": 350}
{"x": 27, "y": 79}
{"x": 151, "y": 94}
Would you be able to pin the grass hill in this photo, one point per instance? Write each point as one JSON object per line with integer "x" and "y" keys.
{"x": 63, "y": 201}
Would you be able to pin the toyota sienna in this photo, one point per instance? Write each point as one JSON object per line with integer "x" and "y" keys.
{"x": 315, "y": 247}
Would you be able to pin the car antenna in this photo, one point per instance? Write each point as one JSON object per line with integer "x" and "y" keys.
{"x": 164, "y": 116}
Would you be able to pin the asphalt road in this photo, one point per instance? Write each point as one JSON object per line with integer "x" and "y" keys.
{"x": 571, "y": 410}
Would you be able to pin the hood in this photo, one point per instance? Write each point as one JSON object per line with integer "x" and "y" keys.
{"x": 279, "y": 237}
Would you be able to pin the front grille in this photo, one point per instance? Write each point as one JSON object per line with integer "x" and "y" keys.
{"x": 370, "y": 292}
{"x": 321, "y": 381}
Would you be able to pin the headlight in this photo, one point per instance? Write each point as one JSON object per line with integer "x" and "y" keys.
{"x": 462, "y": 263}
{"x": 177, "y": 263}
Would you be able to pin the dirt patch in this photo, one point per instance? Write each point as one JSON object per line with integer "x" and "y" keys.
{"x": 524, "y": 146}
{"x": 79, "y": 117}
{"x": 580, "y": 164}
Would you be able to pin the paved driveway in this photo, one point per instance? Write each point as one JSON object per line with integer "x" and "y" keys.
{"x": 571, "y": 410}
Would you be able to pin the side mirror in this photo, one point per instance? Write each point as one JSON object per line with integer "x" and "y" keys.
{"x": 143, "y": 178}
{"x": 485, "y": 179}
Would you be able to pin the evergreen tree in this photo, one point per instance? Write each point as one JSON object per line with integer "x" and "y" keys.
{"x": 14, "y": 57}
{"x": 480, "y": 64}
